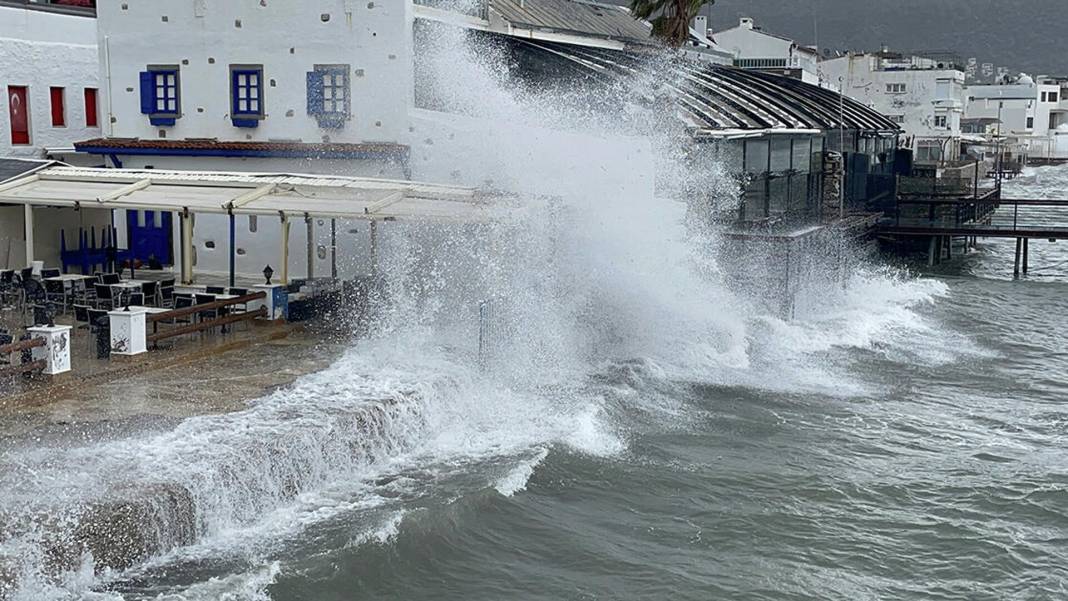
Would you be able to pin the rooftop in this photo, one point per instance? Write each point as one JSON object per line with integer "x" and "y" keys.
{"x": 574, "y": 16}
{"x": 246, "y": 194}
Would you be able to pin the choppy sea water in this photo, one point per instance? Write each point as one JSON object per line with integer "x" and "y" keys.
{"x": 910, "y": 442}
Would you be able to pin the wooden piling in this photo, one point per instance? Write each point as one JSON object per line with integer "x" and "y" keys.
{"x": 1026, "y": 244}
{"x": 1016, "y": 263}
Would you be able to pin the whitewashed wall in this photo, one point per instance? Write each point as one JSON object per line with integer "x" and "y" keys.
{"x": 288, "y": 37}
{"x": 41, "y": 49}
{"x": 927, "y": 92}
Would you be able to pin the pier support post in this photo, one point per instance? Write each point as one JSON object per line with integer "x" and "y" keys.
{"x": 56, "y": 351}
{"x": 309, "y": 225}
{"x": 374, "y": 247}
{"x": 1026, "y": 244}
{"x": 931, "y": 249}
{"x": 1016, "y": 263}
{"x": 949, "y": 248}
{"x": 128, "y": 335}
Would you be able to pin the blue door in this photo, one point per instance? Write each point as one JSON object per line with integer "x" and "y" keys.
{"x": 150, "y": 236}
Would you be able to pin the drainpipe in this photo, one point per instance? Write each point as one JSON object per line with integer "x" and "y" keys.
{"x": 107, "y": 76}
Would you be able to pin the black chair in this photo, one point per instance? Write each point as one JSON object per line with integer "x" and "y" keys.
{"x": 7, "y": 276}
{"x": 81, "y": 293}
{"x": 56, "y": 292}
{"x": 182, "y": 302}
{"x": 5, "y": 339}
{"x": 99, "y": 275}
{"x": 81, "y": 320}
{"x": 111, "y": 278}
{"x": 27, "y": 273}
{"x": 165, "y": 297}
{"x": 97, "y": 319}
{"x": 104, "y": 296}
{"x": 136, "y": 299}
{"x": 206, "y": 314}
{"x": 150, "y": 290}
{"x": 50, "y": 273}
{"x": 215, "y": 290}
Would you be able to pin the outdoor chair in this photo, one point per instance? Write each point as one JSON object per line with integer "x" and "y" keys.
{"x": 150, "y": 290}
{"x": 111, "y": 278}
{"x": 56, "y": 292}
{"x": 5, "y": 339}
{"x": 104, "y": 296}
{"x": 206, "y": 314}
{"x": 81, "y": 293}
{"x": 182, "y": 302}
{"x": 137, "y": 299}
{"x": 165, "y": 297}
{"x": 26, "y": 274}
{"x": 81, "y": 319}
{"x": 215, "y": 290}
{"x": 96, "y": 318}
{"x": 50, "y": 273}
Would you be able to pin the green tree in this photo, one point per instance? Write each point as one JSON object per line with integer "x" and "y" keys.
{"x": 670, "y": 18}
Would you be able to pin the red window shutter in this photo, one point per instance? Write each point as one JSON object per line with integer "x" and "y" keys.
{"x": 90, "y": 107}
{"x": 59, "y": 117}
{"x": 19, "y": 110}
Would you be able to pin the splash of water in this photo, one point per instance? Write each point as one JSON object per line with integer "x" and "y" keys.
{"x": 591, "y": 271}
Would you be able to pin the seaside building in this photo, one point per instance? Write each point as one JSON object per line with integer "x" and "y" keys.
{"x": 1033, "y": 113}
{"x": 50, "y": 78}
{"x": 753, "y": 48}
{"x": 923, "y": 95}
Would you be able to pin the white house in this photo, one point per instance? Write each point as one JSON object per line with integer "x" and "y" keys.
{"x": 50, "y": 79}
{"x": 754, "y": 48}
{"x": 924, "y": 95}
{"x": 1032, "y": 112}
{"x": 317, "y": 86}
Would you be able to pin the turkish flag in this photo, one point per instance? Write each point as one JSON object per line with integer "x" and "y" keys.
{"x": 19, "y": 108}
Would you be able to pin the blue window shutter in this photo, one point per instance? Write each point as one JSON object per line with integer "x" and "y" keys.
{"x": 315, "y": 93}
{"x": 148, "y": 93}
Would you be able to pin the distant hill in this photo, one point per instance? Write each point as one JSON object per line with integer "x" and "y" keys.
{"x": 1021, "y": 35}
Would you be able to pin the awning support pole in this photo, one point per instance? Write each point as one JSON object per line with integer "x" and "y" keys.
{"x": 233, "y": 250}
{"x": 284, "y": 278}
{"x": 309, "y": 224}
{"x": 333, "y": 248}
{"x": 374, "y": 247}
{"x": 28, "y": 213}
{"x": 187, "y": 246}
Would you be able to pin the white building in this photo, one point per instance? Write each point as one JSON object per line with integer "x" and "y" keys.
{"x": 1033, "y": 114}
{"x": 50, "y": 79}
{"x": 317, "y": 86}
{"x": 754, "y": 48}
{"x": 924, "y": 95}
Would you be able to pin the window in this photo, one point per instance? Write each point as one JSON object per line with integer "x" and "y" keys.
{"x": 1053, "y": 96}
{"x": 161, "y": 94}
{"x": 59, "y": 112}
{"x": 1030, "y": 123}
{"x": 940, "y": 121}
{"x": 91, "y": 116}
{"x": 895, "y": 88}
{"x": 899, "y": 119}
{"x": 329, "y": 95}
{"x": 18, "y": 106}
{"x": 246, "y": 95}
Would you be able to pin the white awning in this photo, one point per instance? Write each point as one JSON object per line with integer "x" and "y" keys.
{"x": 247, "y": 194}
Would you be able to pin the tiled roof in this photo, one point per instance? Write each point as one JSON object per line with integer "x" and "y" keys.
{"x": 577, "y": 16}
{"x": 226, "y": 148}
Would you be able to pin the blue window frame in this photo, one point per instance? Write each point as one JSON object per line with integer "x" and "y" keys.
{"x": 161, "y": 94}
{"x": 246, "y": 95}
{"x": 329, "y": 95}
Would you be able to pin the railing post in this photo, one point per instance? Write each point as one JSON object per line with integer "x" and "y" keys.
{"x": 56, "y": 350}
